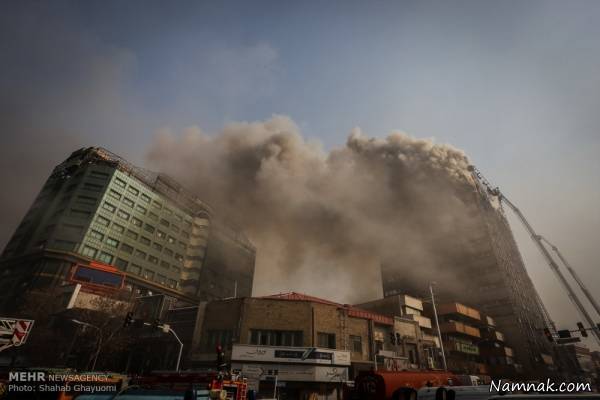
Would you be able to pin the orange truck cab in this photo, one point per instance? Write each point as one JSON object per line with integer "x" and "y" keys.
{"x": 402, "y": 385}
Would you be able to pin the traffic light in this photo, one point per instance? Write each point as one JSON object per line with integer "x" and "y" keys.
{"x": 128, "y": 319}
{"x": 220, "y": 357}
{"x": 548, "y": 335}
{"x": 582, "y": 329}
{"x": 393, "y": 338}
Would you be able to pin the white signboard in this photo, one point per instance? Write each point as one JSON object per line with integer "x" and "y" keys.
{"x": 293, "y": 355}
{"x": 295, "y": 373}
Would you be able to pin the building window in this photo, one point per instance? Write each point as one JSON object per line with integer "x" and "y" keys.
{"x": 156, "y": 204}
{"x": 66, "y": 245}
{"x": 148, "y": 274}
{"x": 161, "y": 279}
{"x": 153, "y": 259}
{"x": 356, "y": 343}
{"x": 172, "y": 283}
{"x": 326, "y": 340}
{"x": 121, "y": 264}
{"x": 87, "y": 200}
{"x": 218, "y": 337}
{"x": 141, "y": 210}
{"x": 126, "y": 248}
{"x": 133, "y": 190}
{"x": 149, "y": 228}
{"x": 114, "y": 194}
{"x": 120, "y": 182}
{"x": 92, "y": 187}
{"x": 112, "y": 242}
{"x": 140, "y": 254}
{"x": 102, "y": 221}
{"x": 177, "y": 270}
{"x": 276, "y": 338}
{"x": 153, "y": 216}
{"x": 109, "y": 207}
{"x": 80, "y": 213}
{"x": 164, "y": 264}
{"x": 89, "y": 251}
{"x": 378, "y": 346}
{"x": 105, "y": 257}
{"x": 118, "y": 228}
{"x": 171, "y": 239}
{"x": 122, "y": 214}
{"x": 168, "y": 211}
{"x": 136, "y": 221}
{"x": 175, "y": 228}
{"x": 99, "y": 175}
{"x": 96, "y": 235}
{"x": 145, "y": 198}
{"x": 128, "y": 202}
{"x": 135, "y": 269}
{"x": 168, "y": 252}
{"x": 178, "y": 257}
{"x": 145, "y": 241}
{"x": 157, "y": 247}
{"x": 164, "y": 222}
{"x": 131, "y": 234}
{"x": 160, "y": 234}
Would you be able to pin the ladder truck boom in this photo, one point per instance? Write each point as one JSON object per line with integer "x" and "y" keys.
{"x": 582, "y": 286}
{"x": 537, "y": 239}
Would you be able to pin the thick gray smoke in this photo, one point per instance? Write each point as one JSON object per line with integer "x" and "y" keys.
{"x": 324, "y": 222}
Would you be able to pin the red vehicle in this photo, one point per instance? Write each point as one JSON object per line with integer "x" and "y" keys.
{"x": 401, "y": 385}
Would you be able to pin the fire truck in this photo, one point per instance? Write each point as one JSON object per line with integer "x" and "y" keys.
{"x": 402, "y": 385}
{"x": 196, "y": 385}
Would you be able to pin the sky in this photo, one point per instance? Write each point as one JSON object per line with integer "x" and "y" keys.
{"x": 514, "y": 84}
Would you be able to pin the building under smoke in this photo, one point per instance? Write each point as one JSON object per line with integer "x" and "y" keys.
{"x": 95, "y": 206}
{"x": 326, "y": 221}
{"x": 482, "y": 266}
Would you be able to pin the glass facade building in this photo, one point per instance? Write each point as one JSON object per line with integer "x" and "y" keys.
{"x": 97, "y": 206}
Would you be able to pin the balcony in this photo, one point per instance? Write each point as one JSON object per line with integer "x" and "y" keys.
{"x": 423, "y": 322}
{"x": 410, "y": 301}
{"x": 467, "y": 348}
{"x": 499, "y": 336}
{"x": 459, "y": 309}
{"x": 432, "y": 338}
{"x": 459, "y": 327}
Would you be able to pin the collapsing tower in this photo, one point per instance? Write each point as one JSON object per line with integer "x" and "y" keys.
{"x": 482, "y": 266}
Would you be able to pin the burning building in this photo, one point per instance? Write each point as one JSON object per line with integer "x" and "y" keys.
{"x": 482, "y": 266}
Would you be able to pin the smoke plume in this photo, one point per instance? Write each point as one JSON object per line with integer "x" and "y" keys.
{"x": 324, "y": 222}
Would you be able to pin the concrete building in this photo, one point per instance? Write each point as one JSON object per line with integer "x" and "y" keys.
{"x": 256, "y": 334}
{"x": 407, "y": 312}
{"x": 477, "y": 262}
{"x": 95, "y": 206}
{"x": 471, "y": 342}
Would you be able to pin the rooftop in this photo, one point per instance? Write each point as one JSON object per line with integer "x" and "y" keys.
{"x": 352, "y": 311}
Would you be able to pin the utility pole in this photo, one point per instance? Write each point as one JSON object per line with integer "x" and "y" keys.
{"x": 437, "y": 325}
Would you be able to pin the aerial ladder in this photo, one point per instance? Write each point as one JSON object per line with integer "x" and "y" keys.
{"x": 538, "y": 240}
{"x": 584, "y": 289}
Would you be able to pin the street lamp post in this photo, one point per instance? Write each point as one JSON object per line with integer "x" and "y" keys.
{"x": 437, "y": 324}
{"x": 98, "y": 346}
{"x": 180, "y": 347}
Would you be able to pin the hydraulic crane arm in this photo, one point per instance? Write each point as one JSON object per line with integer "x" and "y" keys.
{"x": 584, "y": 289}
{"x": 537, "y": 239}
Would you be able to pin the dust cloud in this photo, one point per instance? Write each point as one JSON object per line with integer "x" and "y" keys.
{"x": 323, "y": 222}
